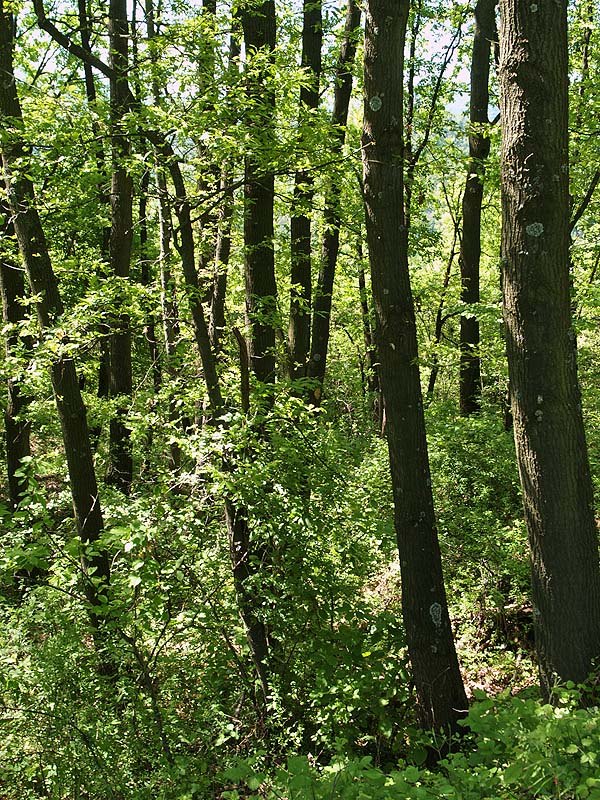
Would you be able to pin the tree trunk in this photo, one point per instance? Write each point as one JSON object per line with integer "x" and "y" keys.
{"x": 368, "y": 338}
{"x": 321, "y": 322}
{"x": 103, "y": 200}
{"x": 150, "y": 321}
{"x": 470, "y": 251}
{"x": 222, "y": 252}
{"x": 17, "y": 426}
{"x": 169, "y": 306}
{"x": 224, "y": 221}
{"x": 120, "y": 471}
{"x": 259, "y": 257}
{"x": 440, "y": 692}
{"x": 65, "y": 383}
{"x": 541, "y": 343}
{"x": 300, "y": 232}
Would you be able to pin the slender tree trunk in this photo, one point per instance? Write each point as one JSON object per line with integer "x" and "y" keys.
{"x": 150, "y": 318}
{"x": 439, "y": 317}
{"x": 373, "y": 384}
{"x": 440, "y": 691}
{"x": 222, "y": 252}
{"x": 259, "y": 257}
{"x": 17, "y": 426}
{"x": 300, "y": 233}
{"x": 470, "y": 252}
{"x": 224, "y": 221}
{"x": 120, "y": 472}
{"x": 541, "y": 343}
{"x": 147, "y": 279}
{"x": 168, "y": 294}
{"x": 65, "y": 383}
{"x": 321, "y": 322}
{"x": 169, "y": 306}
{"x": 103, "y": 201}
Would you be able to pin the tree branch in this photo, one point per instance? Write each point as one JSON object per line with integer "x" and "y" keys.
{"x": 586, "y": 201}
{"x": 72, "y": 47}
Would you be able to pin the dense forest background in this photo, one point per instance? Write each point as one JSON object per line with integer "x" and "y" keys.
{"x": 255, "y": 347}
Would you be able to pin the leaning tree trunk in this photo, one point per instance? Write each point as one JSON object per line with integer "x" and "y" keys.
{"x": 17, "y": 426}
{"x": 440, "y": 691}
{"x": 541, "y": 342}
{"x": 65, "y": 383}
{"x": 470, "y": 251}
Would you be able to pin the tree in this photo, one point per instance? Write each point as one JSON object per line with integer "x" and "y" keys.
{"x": 300, "y": 225}
{"x": 43, "y": 283}
{"x": 12, "y": 294}
{"x": 541, "y": 342}
{"x": 470, "y": 250}
{"x": 120, "y": 243}
{"x": 258, "y": 23}
{"x": 440, "y": 691}
{"x": 330, "y": 243}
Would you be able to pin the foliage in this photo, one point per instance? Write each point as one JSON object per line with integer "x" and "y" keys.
{"x": 163, "y": 702}
{"x": 516, "y": 748}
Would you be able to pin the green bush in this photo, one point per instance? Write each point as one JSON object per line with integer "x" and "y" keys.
{"x": 514, "y": 749}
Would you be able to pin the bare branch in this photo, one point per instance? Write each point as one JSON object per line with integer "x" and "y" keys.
{"x": 72, "y": 47}
{"x": 586, "y": 201}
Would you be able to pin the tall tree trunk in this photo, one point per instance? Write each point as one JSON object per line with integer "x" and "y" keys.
{"x": 368, "y": 338}
{"x": 470, "y": 251}
{"x": 300, "y": 233}
{"x": 12, "y": 292}
{"x": 65, "y": 383}
{"x": 321, "y": 322}
{"x": 259, "y": 257}
{"x": 222, "y": 252}
{"x": 224, "y": 221}
{"x": 440, "y": 318}
{"x": 541, "y": 343}
{"x": 120, "y": 471}
{"x": 168, "y": 294}
{"x": 169, "y": 305}
{"x": 147, "y": 279}
{"x": 150, "y": 318}
{"x": 103, "y": 196}
{"x": 440, "y": 691}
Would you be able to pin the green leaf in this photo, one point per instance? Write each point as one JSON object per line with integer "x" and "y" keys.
{"x": 512, "y": 774}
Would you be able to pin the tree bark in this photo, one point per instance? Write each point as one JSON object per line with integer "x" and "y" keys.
{"x": 470, "y": 251}
{"x": 103, "y": 200}
{"x": 259, "y": 258}
{"x": 439, "y": 687}
{"x": 16, "y": 425}
{"x": 120, "y": 472}
{"x": 321, "y": 322}
{"x": 541, "y": 343}
{"x": 368, "y": 338}
{"x": 222, "y": 252}
{"x": 300, "y": 226}
{"x": 224, "y": 221}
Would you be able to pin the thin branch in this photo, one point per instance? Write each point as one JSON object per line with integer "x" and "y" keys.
{"x": 72, "y": 47}
{"x": 586, "y": 201}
